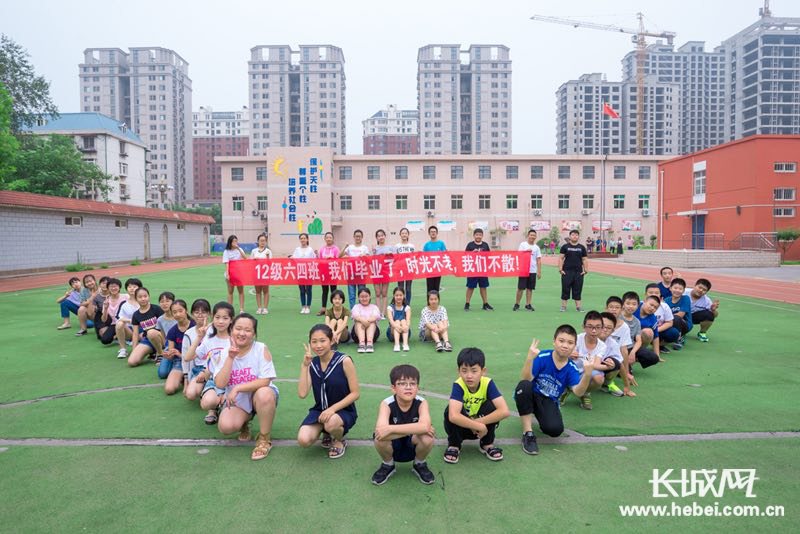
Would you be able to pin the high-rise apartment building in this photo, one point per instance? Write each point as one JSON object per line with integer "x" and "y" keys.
{"x": 392, "y": 131}
{"x": 147, "y": 88}
{"x": 464, "y": 99}
{"x": 297, "y": 97}
{"x": 216, "y": 133}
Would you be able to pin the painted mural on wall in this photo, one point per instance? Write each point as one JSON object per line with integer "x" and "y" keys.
{"x": 302, "y": 190}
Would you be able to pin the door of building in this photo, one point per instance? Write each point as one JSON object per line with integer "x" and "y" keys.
{"x": 698, "y": 231}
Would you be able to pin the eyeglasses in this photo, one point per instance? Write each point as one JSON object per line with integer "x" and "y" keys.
{"x": 404, "y": 385}
{"x": 593, "y": 327}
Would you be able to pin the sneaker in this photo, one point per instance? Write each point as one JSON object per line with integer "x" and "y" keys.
{"x": 406, "y": 348}
{"x": 265, "y": 311}
{"x": 515, "y": 308}
{"x": 682, "y": 340}
{"x": 158, "y": 360}
{"x": 466, "y": 306}
{"x": 563, "y": 308}
{"x": 439, "y": 347}
{"x": 563, "y": 398}
{"x": 448, "y": 347}
{"x": 424, "y": 474}
{"x": 529, "y": 307}
{"x": 80, "y": 333}
{"x": 122, "y": 354}
{"x": 362, "y": 348}
{"x": 487, "y": 307}
{"x": 613, "y": 389}
{"x": 579, "y": 310}
{"x": 586, "y": 401}
{"x": 529, "y": 444}
{"x": 702, "y": 336}
{"x": 396, "y": 348}
{"x": 302, "y": 311}
{"x": 664, "y": 350}
{"x": 677, "y": 346}
{"x": 383, "y": 474}
{"x": 370, "y": 348}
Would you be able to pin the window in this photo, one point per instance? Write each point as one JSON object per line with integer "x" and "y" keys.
{"x": 484, "y": 202}
{"x": 536, "y": 202}
{"x": 563, "y": 202}
{"x": 456, "y": 202}
{"x": 619, "y": 202}
{"x": 780, "y": 166}
{"x": 700, "y": 182}
{"x": 512, "y": 172}
{"x": 374, "y": 202}
{"x": 123, "y": 169}
{"x": 238, "y": 203}
{"x": 784, "y": 212}
{"x": 88, "y": 143}
{"x": 237, "y": 174}
{"x": 181, "y": 226}
{"x": 346, "y": 202}
{"x": 346, "y": 172}
{"x": 787, "y": 193}
{"x": 644, "y": 202}
{"x": 429, "y": 202}
{"x": 401, "y": 202}
{"x": 484, "y": 172}
{"x": 429, "y": 172}
{"x": 588, "y": 202}
{"x": 511, "y": 202}
{"x": 120, "y": 223}
{"x": 619, "y": 172}
{"x": 373, "y": 172}
{"x": 261, "y": 174}
{"x": 588, "y": 172}
{"x": 457, "y": 172}
{"x": 73, "y": 221}
{"x": 401, "y": 172}
{"x": 563, "y": 172}
{"x": 644, "y": 172}
{"x": 262, "y": 203}
{"x": 537, "y": 172}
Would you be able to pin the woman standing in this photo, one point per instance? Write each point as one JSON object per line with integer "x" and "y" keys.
{"x": 304, "y": 251}
{"x": 231, "y": 253}
{"x": 262, "y": 292}
{"x": 329, "y": 251}
{"x": 404, "y": 247}
{"x": 382, "y": 249}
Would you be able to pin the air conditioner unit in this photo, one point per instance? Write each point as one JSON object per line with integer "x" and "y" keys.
{"x": 431, "y": 214}
{"x": 537, "y": 212}
{"x": 645, "y": 213}
{"x": 585, "y": 212}
{"x": 124, "y": 196}
{"x": 255, "y": 213}
{"x": 263, "y": 216}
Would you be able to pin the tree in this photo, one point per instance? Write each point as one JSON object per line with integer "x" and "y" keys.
{"x": 786, "y": 237}
{"x": 30, "y": 94}
{"x": 214, "y": 211}
{"x": 52, "y": 165}
{"x": 8, "y": 143}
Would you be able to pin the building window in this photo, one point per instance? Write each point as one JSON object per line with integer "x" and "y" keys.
{"x": 346, "y": 202}
{"x": 784, "y": 193}
{"x": 237, "y": 174}
{"x": 262, "y": 203}
{"x": 401, "y": 172}
{"x": 537, "y": 172}
{"x": 511, "y": 202}
{"x": 784, "y": 212}
{"x": 120, "y": 223}
{"x": 374, "y": 202}
{"x": 619, "y": 172}
{"x": 588, "y": 172}
{"x": 401, "y": 202}
{"x": 588, "y": 202}
{"x": 619, "y": 202}
{"x": 644, "y": 202}
{"x": 512, "y": 172}
{"x": 700, "y": 182}
{"x": 563, "y": 202}
{"x": 457, "y": 172}
{"x": 261, "y": 174}
{"x": 485, "y": 172}
{"x": 73, "y": 221}
{"x": 484, "y": 202}
{"x": 429, "y": 202}
{"x": 88, "y": 142}
{"x": 373, "y": 172}
{"x": 563, "y": 172}
{"x": 346, "y": 172}
{"x": 123, "y": 169}
{"x": 536, "y": 202}
{"x": 238, "y": 203}
{"x": 181, "y": 226}
{"x": 456, "y": 202}
{"x": 644, "y": 172}
{"x": 780, "y": 166}
{"x": 429, "y": 172}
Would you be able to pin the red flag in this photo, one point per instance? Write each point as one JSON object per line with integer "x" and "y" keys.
{"x": 607, "y": 110}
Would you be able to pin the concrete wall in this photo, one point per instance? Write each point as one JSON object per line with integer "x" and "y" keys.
{"x": 39, "y": 239}
{"x": 703, "y": 258}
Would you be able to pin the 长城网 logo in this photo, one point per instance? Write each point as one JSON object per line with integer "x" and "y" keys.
{"x": 702, "y": 481}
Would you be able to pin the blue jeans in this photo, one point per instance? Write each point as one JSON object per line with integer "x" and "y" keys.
{"x": 352, "y": 293}
{"x": 305, "y": 295}
{"x": 670, "y": 335}
{"x": 68, "y": 306}
{"x": 167, "y": 366}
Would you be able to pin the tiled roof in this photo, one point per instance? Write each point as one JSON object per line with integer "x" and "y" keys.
{"x": 86, "y": 122}
{"x": 31, "y": 200}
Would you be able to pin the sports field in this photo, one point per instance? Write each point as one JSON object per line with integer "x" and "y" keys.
{"x": 103, "y": 460}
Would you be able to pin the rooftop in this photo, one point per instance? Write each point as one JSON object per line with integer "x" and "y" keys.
{"x": 76, "y": 123}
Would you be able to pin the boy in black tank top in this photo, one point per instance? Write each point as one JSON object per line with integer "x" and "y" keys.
{"x": 403, "y": 431}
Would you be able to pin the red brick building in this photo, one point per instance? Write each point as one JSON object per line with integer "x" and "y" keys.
{"x": 207, "y": 175}
{"x": 391, "y": 144}
{"x": 732, "y": 196}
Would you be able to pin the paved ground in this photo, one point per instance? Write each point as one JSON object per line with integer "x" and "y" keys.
{"x": 787, "y": 273}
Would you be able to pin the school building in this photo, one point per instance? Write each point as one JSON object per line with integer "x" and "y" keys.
{"x": 291, "y": 190}
{"x": 734, "y": 196}
{"x": 46, "y": 233}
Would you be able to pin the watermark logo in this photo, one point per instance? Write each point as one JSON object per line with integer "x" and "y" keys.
{"x": 700, "y": 482}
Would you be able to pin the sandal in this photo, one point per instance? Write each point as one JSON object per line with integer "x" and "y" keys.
{"x": 327, "y": 441}
{"x": 495, "y": 454}
{"x": 211, "y": 419}
{"x": 263, "y": 446}
{"x": 337, "y": 452}
{"x": 244, "y": 433}
{"x": 64, "y": 327}
{"x": 448, "y": 347}
{"x": 439, "y": 346}
{"x": 451, "y": 455}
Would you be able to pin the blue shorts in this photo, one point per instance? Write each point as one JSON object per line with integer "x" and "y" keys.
{"x": 477, "y": 281}
{"x": 145, "y": 341}
{"x": 348, "y": 418}
{"x": 209, "y": 385}
{"x": 598, "y": 373}
{"x": 403, "y": 449}
{"x": 196, "y": 370}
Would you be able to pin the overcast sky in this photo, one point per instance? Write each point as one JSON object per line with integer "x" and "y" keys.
{"x": 379, "y": 40}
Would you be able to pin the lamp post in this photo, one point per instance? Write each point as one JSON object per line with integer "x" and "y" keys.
{"x": 162, "y": 188}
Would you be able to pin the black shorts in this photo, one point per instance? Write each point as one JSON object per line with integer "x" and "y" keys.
{"x": 701, "y": 316}
{"x": 616, "y": 365}
{"x": 571, "y": 285}
{"x": 527, "y": 282}
{"x": 403, "y": 449}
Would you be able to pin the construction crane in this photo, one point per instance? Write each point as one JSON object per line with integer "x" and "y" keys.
{"x": 641, "y": 56}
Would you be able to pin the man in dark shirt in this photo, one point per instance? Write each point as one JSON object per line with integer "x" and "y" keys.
{"x": 477, "y": 244}
{"x": 573, "y": 265}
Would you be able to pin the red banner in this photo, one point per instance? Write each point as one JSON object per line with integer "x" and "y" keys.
{"x": 377, "y": 269}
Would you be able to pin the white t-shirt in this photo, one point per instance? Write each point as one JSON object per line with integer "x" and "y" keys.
{"x": 127, "y": 310}
{"x": 266, "y": 254}
{"x": 535, "y": 253}
{"x": 622, "y": 335}
{"x": 664, "y": 313}
{"x": 403, "y": 248}
{"x": 585, "y": 354}
{"x": 209, "y": 348}
{"x": 612, "y": 349}
{"x": 703, "y": 303}
{"x": 303, "y": 253}
{"x": 355, "y": 251}
{"x": 246, "y": 368}
{"x": 231, "y": 255}
{"x": 188, "y": 338}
